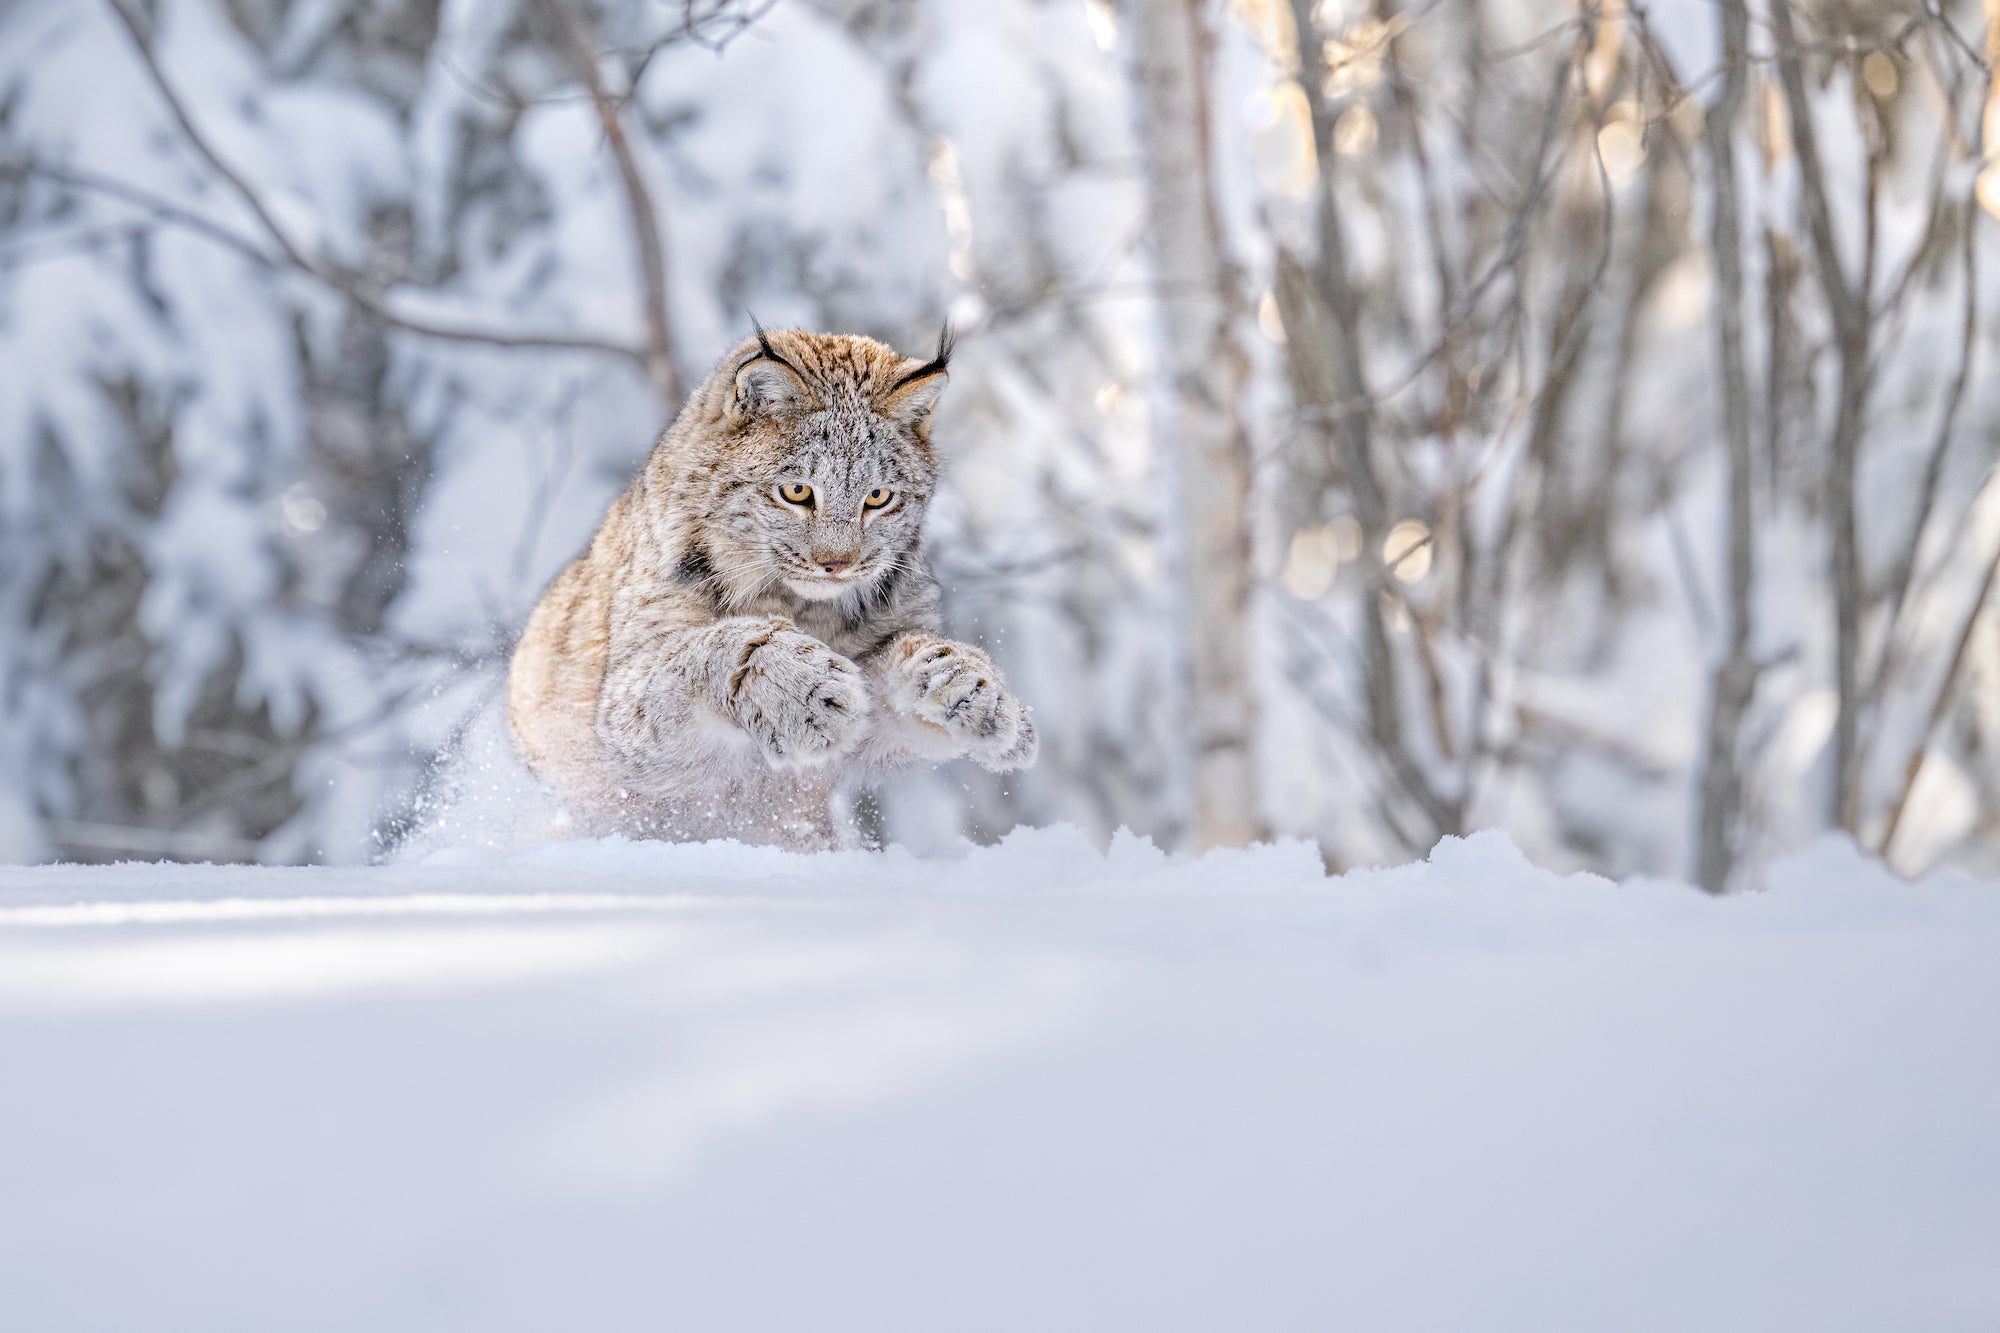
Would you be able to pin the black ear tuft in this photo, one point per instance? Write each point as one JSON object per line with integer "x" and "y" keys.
{"x": 764, "y": 347}
{"x": 766, "y": 379}
{"x": 937, "y": 365}
{"x": 916, "y": 392}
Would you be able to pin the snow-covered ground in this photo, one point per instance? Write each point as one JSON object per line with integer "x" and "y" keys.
{"x": 603, "y": 1086}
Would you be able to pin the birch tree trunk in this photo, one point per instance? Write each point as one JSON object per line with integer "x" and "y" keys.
{"x": 1201, "y": 435}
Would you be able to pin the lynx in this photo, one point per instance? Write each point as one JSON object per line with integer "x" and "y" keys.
{"x": 754, "y": 628}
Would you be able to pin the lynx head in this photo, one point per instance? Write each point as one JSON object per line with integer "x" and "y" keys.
{"x": 822, "y": 465}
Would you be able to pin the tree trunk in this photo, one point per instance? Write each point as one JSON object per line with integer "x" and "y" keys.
{"x": 1201, "y": 432}
{"x": 1736, "y": 672}
{"x": 1848, "y": 307}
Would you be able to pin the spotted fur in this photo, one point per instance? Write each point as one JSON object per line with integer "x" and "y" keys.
{"x": 697, "y": 672}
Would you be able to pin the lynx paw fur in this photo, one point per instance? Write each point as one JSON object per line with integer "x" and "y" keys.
{"x": 803, "y": 703}
{"x": 957, "y": 688}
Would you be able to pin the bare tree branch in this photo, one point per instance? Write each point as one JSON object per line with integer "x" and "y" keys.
{"x": 1847, "y": 305}
{"x": 575, "y": 39}
{"x": 1940, "y": 702}
{"x": 351, "y": 285}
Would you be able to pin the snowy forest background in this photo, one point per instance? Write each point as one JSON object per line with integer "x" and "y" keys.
{"x": 1373, "y": 419}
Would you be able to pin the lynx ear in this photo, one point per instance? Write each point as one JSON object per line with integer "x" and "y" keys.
{"x": 912, "y": 397}
{"x": 767, "y": 386}
{"x": 767, "y": 382}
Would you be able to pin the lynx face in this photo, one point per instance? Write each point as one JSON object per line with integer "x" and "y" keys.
{"x": 823, "y": 488}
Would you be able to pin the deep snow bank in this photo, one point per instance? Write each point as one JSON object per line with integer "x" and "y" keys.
{"x": 609, "y": 1086}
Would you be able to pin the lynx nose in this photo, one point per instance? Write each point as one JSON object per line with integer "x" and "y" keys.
{"x": 840, "y": 566}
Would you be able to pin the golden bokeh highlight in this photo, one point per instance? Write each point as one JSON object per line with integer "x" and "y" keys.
{"x": 1311, "y": 562}
{"x": 1881, "y": 75}
{"x": 1103, "y": 20}
{"x": 1282, "y": 143}
{"x": 1354, "y": 59}
{"x": 1407, "y": 550}
{"x": 1356, "y": 132}
{"x": 1270, "y": 320}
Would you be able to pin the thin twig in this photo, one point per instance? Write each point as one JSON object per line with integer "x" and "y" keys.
{"x": 578, "y": 47}
{"x": 1939, "y": 704}
{"x": 1848, "y": 305}
{"x": 349, "y": 284}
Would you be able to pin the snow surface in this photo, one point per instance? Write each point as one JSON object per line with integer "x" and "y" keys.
{"x": 1038, "y": 1086}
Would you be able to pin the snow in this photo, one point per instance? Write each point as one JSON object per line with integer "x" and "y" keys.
{"x": 1039, "y": 1085}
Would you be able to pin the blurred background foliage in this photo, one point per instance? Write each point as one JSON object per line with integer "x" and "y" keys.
{"x": 1374, "y": 419}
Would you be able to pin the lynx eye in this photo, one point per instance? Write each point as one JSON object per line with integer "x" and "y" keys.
{"x": 876, "y": 498}
{"x": 796, "y": 492}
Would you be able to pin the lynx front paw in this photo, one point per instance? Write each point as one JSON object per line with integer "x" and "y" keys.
{"x": 956, "y": 688}
{"x": 799, "y": 700}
